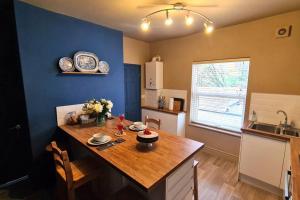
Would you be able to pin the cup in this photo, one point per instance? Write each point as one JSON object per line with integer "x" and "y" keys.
{"x": 99, "y": 137}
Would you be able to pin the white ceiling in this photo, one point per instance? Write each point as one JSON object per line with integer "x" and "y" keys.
{"x": 125, "y": 15}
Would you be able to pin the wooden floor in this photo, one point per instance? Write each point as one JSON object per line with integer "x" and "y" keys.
{"x": 217, "y": 180}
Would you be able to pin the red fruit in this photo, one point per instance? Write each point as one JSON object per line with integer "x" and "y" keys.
{"x": 147, "y": 132}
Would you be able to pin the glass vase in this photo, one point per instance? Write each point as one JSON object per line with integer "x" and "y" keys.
{"x": 100, "y": 120}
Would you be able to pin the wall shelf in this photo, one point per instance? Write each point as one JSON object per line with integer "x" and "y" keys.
{"x": 83, "y": 73}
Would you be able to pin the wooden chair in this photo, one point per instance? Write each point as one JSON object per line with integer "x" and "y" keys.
{"x": 195, "y": 166}
{"x": 154, "y": 121}
{"x": 76, "y": 173}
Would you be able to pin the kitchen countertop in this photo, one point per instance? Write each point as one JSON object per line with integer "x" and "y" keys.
{"x": 165, "y": 110}
{"x": 263, "y": 133}
{"x": 146, "y": 169}
{"x": 295, "y": 167}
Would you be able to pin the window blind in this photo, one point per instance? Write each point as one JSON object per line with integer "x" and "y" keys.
{"x": 218, "y": 93}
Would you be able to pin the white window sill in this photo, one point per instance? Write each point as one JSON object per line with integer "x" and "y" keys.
{"x": 232, "y": 133}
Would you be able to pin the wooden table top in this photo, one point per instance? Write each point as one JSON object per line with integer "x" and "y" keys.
{"x": 295, "y": 167}
{"x": 144, "y": 168}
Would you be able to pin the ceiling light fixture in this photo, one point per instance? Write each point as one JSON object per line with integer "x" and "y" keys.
{"x": 189, "y": 20}
{"x": 168, "y": 21}
{"x": 208, "y": 27}
{"x": 145, "y": 24}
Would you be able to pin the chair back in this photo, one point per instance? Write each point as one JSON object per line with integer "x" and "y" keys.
{"x": 62, "y": 163}
{"x": 152, "y": 121}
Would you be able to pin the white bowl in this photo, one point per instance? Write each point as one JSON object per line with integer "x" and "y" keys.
{"x": 99, "y": 137}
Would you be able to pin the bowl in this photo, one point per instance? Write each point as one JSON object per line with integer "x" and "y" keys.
{"x": 99, "y": 137}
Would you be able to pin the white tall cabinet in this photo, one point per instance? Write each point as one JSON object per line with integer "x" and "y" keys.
{"x": 154, "y": 75}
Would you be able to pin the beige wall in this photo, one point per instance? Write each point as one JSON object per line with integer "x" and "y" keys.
{"x": 136, "y": 52}
{"x": 275, "y": 63}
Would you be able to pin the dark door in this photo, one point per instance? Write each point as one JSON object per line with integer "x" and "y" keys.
{"x": 133, "y": 92}
{"x": 15, "y": 153}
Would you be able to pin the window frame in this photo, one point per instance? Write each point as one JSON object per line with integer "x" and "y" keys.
{"x": 211, "y": 127}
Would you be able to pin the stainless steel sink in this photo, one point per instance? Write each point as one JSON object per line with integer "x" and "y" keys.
{"x": 291, "y": 132}
{"x": 270, "y": 128}
{"x": 265, "y": 127}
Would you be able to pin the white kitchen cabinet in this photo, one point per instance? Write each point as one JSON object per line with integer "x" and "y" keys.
{"x": 171, "y": 123}
{"x": 181, "y": 182}
{"x": 262, "y": 158}
{"x": 154, "y": 75}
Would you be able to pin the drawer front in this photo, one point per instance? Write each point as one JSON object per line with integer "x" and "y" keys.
{"x": 184, "y": 193}
{"x": 176, "y": 176}
{"x": 179, "y": 187}
{"x": 190, "y": 195}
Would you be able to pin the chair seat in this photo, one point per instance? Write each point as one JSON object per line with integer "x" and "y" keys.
{"x": 83, "y": 170}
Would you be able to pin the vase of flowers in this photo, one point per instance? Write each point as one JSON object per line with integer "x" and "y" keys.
{"x": 99, "y": 109}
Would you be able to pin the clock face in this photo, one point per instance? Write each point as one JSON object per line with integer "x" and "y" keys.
{"x": 103, "y": 67}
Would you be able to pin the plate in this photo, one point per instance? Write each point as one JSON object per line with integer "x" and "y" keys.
{"x": 103, "y": 67}
{"x": 152, "y": 135}
{"x": 86, "y": 61}
{"x": 141, "y": 137}
{"x": 93, "y": 143}
{"x": 133, "y": 128}
{"x": 66, "y": 64}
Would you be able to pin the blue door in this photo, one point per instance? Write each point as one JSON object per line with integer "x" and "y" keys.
{"x": 132, "y": 92}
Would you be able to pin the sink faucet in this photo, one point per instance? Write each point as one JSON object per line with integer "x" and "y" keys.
{"x": 285, "y": 124}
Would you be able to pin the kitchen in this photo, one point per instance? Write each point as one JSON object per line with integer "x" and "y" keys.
{"x": 244, "y": 149}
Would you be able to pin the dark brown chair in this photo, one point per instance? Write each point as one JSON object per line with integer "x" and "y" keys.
{"x": 153, "y": 121}
{"x": 76, "y": 173}
{"x": 73, "y": 174}
{"x": 195, "y": 166}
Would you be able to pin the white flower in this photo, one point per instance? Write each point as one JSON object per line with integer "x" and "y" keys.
{"x": 109, "y": 105}
{"x": 103, "y": 100}
{"x": 98, "y": 108}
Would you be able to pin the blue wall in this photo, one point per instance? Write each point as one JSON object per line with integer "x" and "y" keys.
{"x": 44, "y": 37}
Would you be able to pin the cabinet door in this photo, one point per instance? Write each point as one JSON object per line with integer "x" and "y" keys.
{"x": 262, "y": 158}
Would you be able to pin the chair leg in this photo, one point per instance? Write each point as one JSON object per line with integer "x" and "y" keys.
{"x": 60, "y": 191}
{"x": 196, "y": 183}
{"x": 71, "y": 194}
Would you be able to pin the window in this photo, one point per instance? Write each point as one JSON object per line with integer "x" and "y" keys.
{"x": 218, "y": 95}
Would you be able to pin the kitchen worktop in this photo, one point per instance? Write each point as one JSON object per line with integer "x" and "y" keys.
{"x": 146, "y": 169}
{"x": 263, "y": 133}
{"x": 165, "y": 110}
{"x": 295, "y": 167}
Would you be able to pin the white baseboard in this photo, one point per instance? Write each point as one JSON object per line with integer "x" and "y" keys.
{"x": 218, "y": 152}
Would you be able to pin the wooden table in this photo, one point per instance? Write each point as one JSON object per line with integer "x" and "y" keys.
{"x": 145, "y": 168}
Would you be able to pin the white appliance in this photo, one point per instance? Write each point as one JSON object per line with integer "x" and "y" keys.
{"x": 154, "y": 75}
